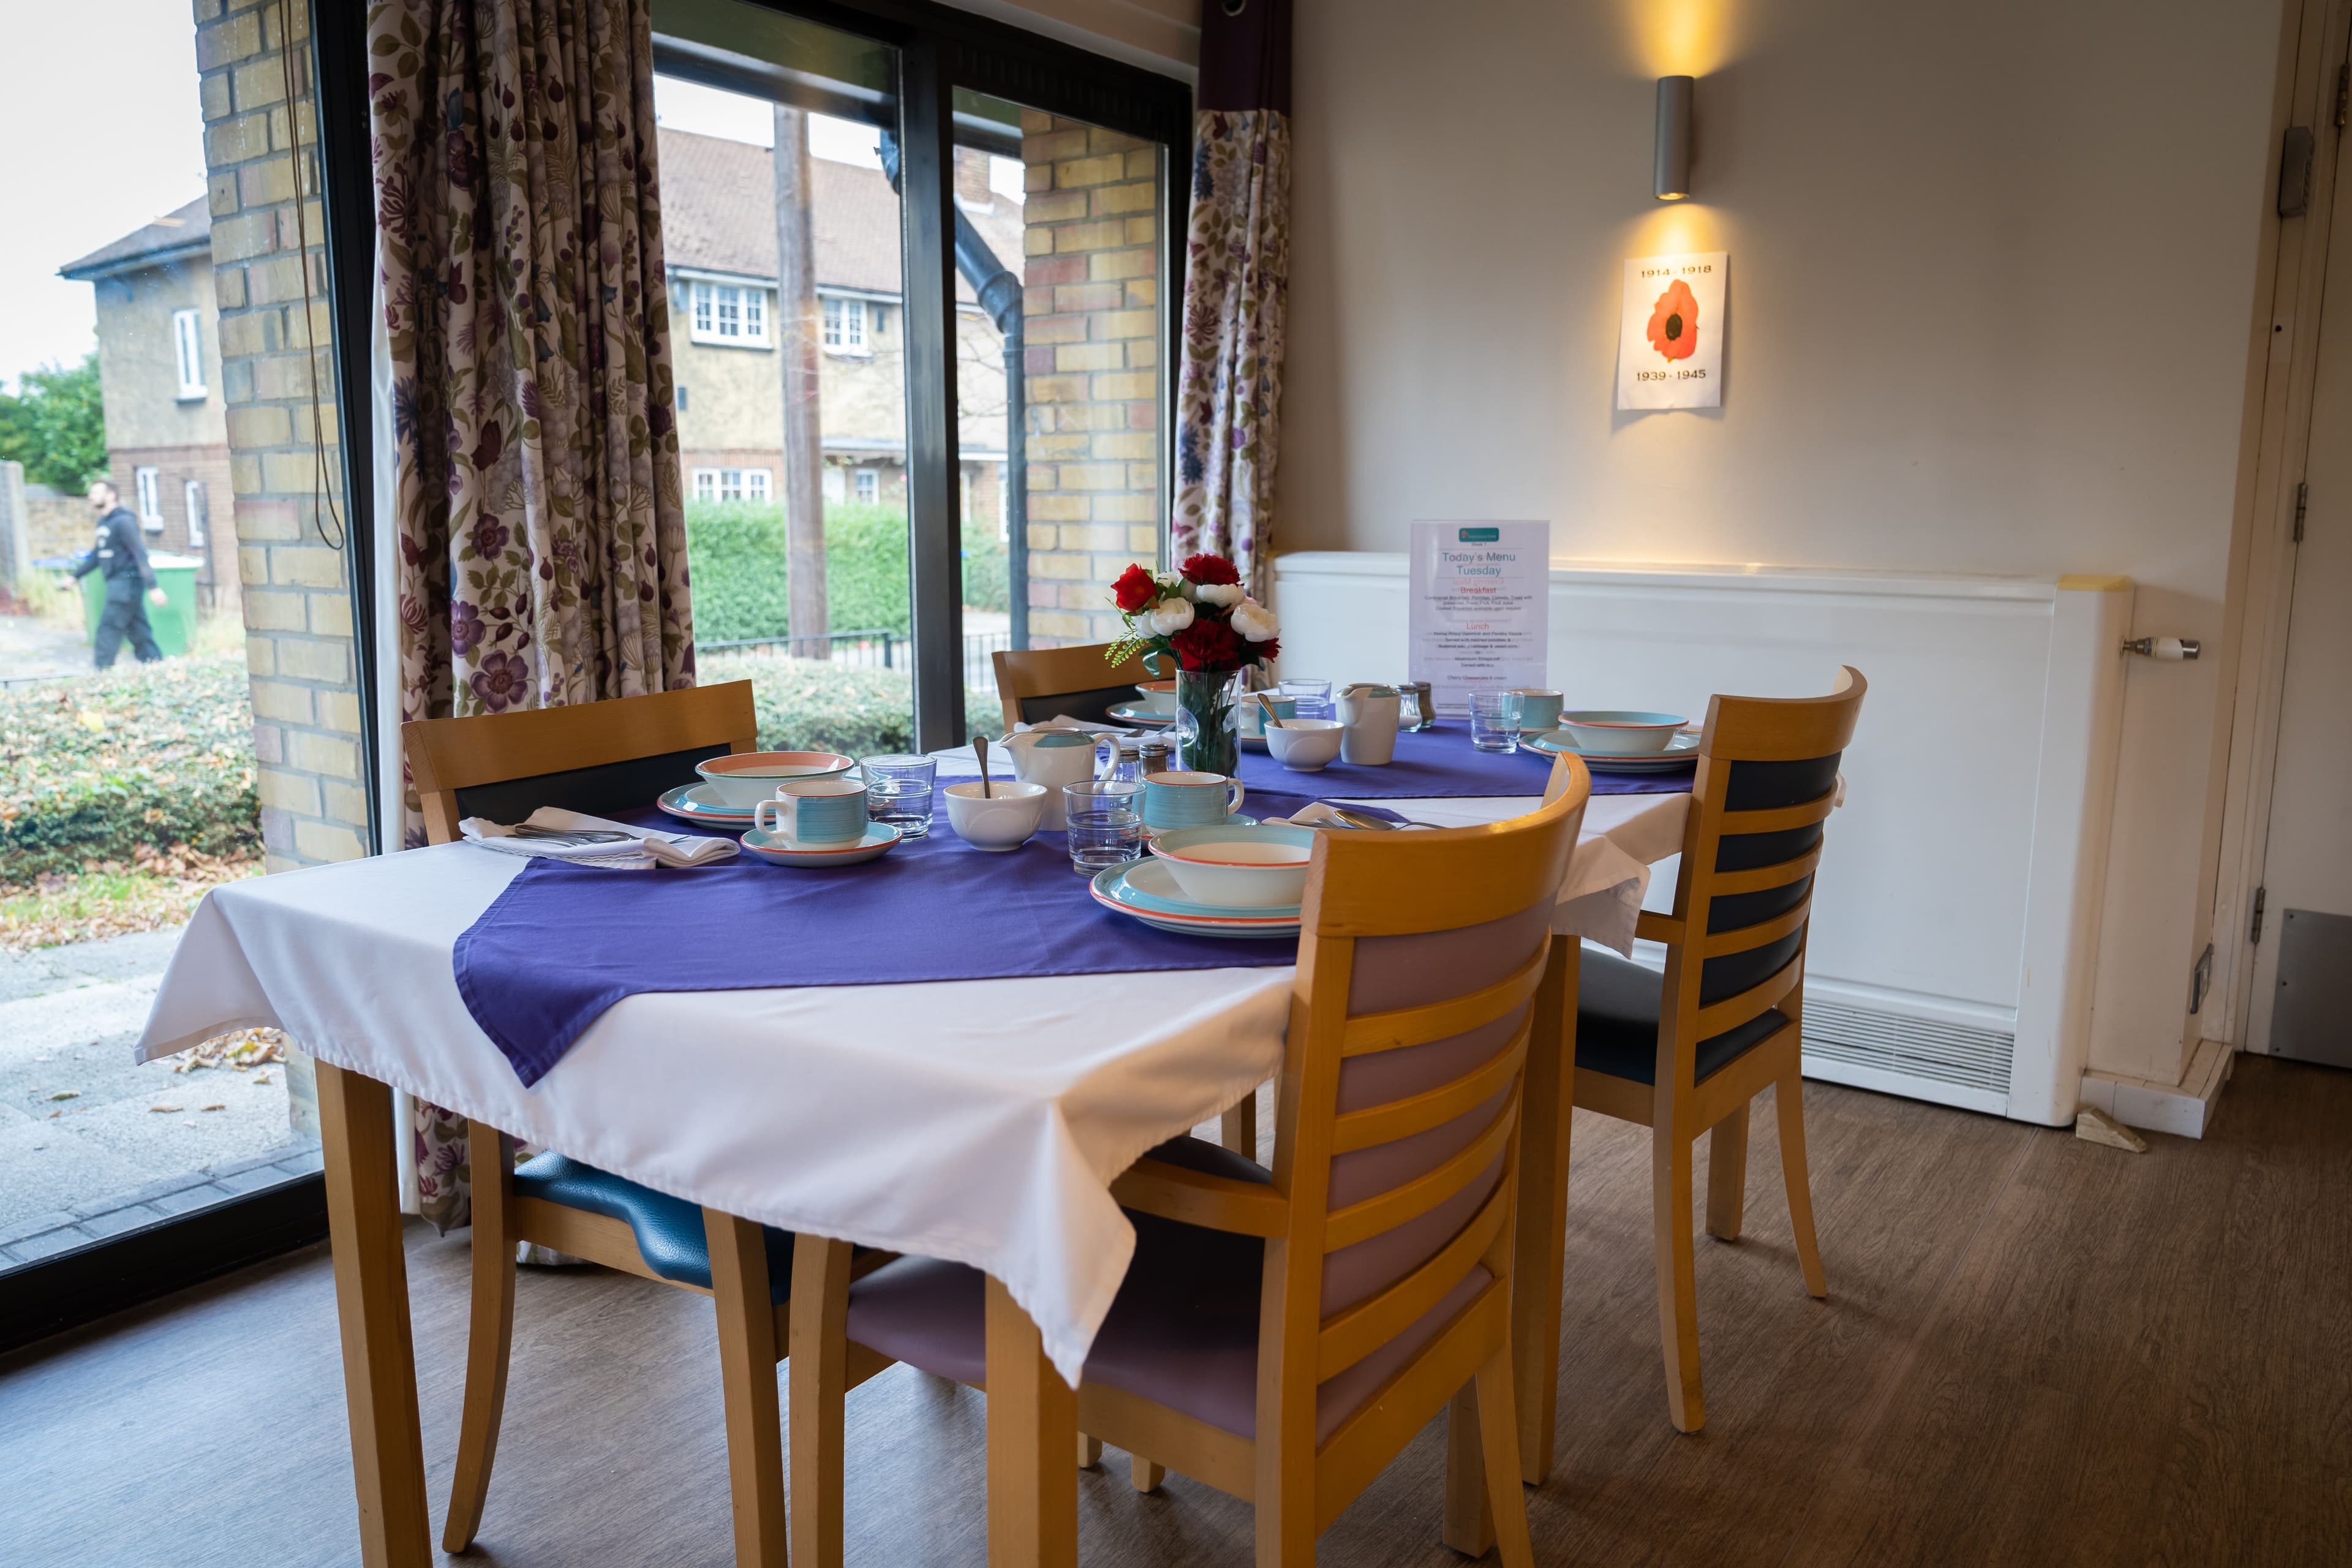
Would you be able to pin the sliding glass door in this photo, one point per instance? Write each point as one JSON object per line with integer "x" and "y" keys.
{"x": 919, "y": 332}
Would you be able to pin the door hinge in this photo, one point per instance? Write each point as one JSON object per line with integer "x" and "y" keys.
{"x": 2302, "y": 505}
{"x": 2261, "y": 896}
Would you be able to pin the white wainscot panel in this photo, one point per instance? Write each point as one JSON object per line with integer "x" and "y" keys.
{"x": 1930, "y": 891}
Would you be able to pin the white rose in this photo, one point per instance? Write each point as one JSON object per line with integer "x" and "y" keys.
{"x": 1219, "y": 593}
{"x": 1168, "y": 616}
{"x": 1254, "y": 621}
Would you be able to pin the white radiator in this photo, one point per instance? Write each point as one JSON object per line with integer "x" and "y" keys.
{"x": 1956, "y": 925}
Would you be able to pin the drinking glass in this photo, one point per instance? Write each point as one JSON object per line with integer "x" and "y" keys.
{"x": 1313, "y": 696}
{"x": 1106, "y": 823}
{"x": 898, "y": 791}
{"x": 1494, "y": 720}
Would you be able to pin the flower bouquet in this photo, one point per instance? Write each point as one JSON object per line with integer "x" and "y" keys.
{"x": 1200, "y": 622}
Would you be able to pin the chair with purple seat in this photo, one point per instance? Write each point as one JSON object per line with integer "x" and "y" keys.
{"x": 1685, "y": 1053}
{"x": 1282, "y": 1334}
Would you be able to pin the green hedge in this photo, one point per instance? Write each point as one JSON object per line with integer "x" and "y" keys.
{"x": 159, "y": 753}
{"x": 736, "y": 553}
{"x": 809, "y": 704}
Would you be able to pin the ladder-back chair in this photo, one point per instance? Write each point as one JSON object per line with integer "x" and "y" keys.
{"x": 1282, "y": 1334}
{"x": 1683, "y": 1054}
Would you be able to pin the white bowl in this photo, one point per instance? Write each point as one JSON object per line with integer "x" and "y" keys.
{"x": 1256, "y": 867}
{"x": 1158, "y": 697}
{"x": 1305, "y": 745}
{"x": 746, "y": 778}
{"x": 1620, "y": 732}
{"x": 999, "y": 822}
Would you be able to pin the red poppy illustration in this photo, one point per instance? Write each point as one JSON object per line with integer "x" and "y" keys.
{"x": 1673, "y": 323}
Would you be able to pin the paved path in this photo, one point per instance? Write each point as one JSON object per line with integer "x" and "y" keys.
{"x": 32, "y": 644}
{"x": 67, "y": 1018}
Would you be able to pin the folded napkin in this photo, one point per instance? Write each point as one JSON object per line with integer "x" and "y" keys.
{"x": 558, "y": 834}
{"x": 1318, "y": 814}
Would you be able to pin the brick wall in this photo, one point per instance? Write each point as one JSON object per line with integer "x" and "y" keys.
{"x": 297, "y": 589}
{"x": 1093, "y": 378}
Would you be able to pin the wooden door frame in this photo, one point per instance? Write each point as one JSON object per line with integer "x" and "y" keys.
{"x": 2281, "y": 373}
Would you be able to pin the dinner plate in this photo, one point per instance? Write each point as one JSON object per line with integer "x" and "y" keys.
{"x": 1142, "y": 717}
{"x": 880, "y": 838}
{"x": 1679, "y": 753}
{"x": 695, "y": 802}
{"x": 1146, "y": 890}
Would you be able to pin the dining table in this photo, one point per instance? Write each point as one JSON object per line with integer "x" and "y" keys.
{"x": 981, "y": 1120}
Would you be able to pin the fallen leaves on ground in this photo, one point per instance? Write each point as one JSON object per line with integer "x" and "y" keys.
{"x": 242, "y": 1050}
{"x": 165, "y": 1109}
{"x": 67, "y": 1094}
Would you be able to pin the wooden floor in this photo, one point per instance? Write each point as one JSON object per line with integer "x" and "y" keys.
{"x": 2036, "y": 1351}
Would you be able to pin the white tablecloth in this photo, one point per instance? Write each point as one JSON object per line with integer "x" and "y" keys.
{"x": 978, "y": 1120}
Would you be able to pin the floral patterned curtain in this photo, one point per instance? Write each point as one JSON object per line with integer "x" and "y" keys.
{"x": 538, "y": 508}
{"x": 1236, "y": 278}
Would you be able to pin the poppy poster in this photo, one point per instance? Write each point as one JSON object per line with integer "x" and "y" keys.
{"x": 1670, "y": 343}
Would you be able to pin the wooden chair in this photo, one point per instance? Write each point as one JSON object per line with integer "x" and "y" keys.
{"x": 1685, "y": 1055}
{"x": 1040, "y": 683}
{"x": 599, "y": 758}
{"x": 1282, "y": 1334}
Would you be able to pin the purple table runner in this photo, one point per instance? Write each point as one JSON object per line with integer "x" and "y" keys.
{"x": 562, "y": 943}
{"x": 1436, "y": 764}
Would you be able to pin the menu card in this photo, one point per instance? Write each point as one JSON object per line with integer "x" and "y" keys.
{"x": 1481, "y": 613}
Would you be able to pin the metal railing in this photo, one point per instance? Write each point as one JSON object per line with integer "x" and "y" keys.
{"x": 872, "y": 649}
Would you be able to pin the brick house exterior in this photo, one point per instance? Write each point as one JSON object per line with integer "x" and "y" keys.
{"x": 160, "y": 372}
{"x": 718, "y": 238}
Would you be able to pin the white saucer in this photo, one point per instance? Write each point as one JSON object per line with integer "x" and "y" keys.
{"x": 1142, "y": 717}
{"x": 696, "y": 803}
{"x": 1679, "y": 753}
{"x": 880, "y": 838}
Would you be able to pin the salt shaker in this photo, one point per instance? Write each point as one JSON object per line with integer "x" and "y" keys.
{"x": 1155, "y": 754}
{"x": 1417, "y": 711}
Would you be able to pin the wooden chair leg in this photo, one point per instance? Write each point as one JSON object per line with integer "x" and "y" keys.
{"x": 1789, "y": 1103}
{"x": 748, "y": 1353}
{"x": 1469, "y": 1519}
{"x": 1498, "y": 1438}
{"x": 1726, "y": 1175}
{"x": 1146, "y": 1475}
{"x": 1670, "y": 1172}
{"x": 818, "y": 1366}
{"x": 1238, "y": 1128}
{"x": 490, "y": 1336}
{"x": 1089, "y": 1452}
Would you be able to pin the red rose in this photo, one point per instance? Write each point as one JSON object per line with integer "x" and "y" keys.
{"x": 1209, "y": 569}
{"x": 1268, "y": 650}
{"x": 1210, "y": 645}
{"x": 1134, "y": 590}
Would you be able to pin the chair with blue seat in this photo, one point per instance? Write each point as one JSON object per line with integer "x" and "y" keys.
{"x": 602, "y": 758}
{"x": 1685, "y": 1053}
{"x": 1283, "y": 1333}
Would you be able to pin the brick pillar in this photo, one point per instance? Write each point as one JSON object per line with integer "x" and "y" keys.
{"x": 1092, "y": 381}
{"x": 297, "y": 589}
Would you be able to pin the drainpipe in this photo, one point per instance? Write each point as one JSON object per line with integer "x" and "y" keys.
{"x": 1000, "y": 296}
{"x": 999, "y": 290}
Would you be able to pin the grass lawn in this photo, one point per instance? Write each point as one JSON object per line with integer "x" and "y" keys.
{"x": 114, "y": 898}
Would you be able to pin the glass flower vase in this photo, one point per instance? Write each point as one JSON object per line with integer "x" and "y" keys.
{"x": 1208, "y": 719}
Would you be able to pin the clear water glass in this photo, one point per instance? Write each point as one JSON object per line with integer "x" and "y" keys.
{"x": 1494, "y": 720}
{"x": 899, "y": 791}
{"x": 1106, "y": 823}
{"x": 1314, "y": 698}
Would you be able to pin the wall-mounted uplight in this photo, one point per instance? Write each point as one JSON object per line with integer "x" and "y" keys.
{"x": 1674, "y": 158}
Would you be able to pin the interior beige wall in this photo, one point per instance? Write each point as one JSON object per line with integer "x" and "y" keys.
{"x": 1990, "y": 282}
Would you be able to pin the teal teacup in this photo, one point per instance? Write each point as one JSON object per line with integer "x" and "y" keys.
{"x": 815, "y": 811}
{"x": 1539, "y": 708}
{"x": 1253, "y": 713}
{"x": 1189, "y": 800}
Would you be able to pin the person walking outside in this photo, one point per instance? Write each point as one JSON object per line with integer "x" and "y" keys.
{"x": 121, "y": 555}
